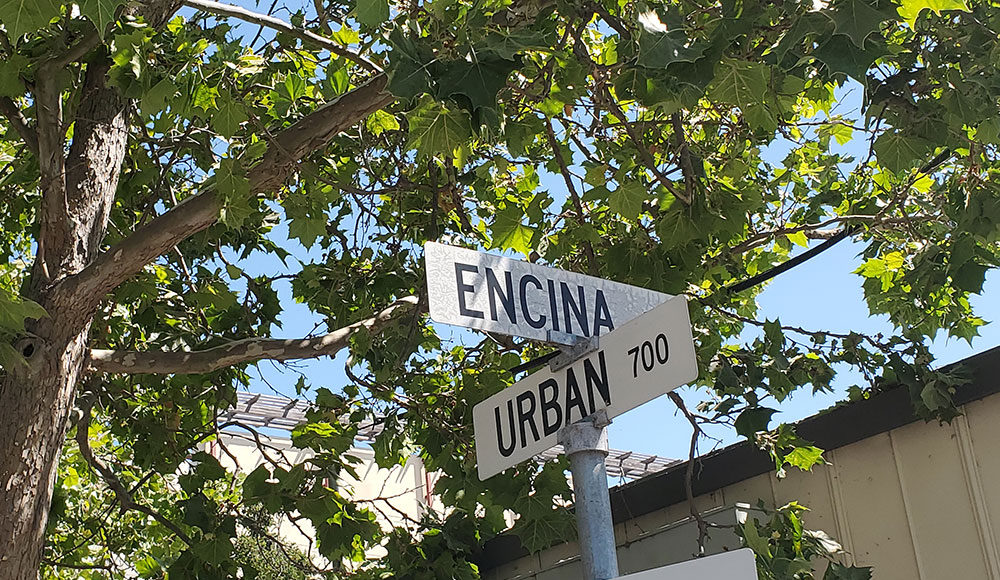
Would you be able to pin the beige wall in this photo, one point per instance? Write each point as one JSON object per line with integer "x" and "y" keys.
{"x": 921, "y": 502}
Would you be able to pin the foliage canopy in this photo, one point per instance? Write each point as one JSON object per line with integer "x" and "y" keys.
{"x": 696, "y": 144}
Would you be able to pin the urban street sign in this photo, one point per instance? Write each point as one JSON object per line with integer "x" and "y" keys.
{"x": 735, "y": 565}
{"x": 488, "y": 292}
{"x": 637, "y": 362}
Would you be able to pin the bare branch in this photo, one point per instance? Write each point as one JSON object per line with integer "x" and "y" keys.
{"x": 198, "y": 212}
{"x": 581, "y": 217}
{"x": 221, "y": 9}
{"x": 10, "y": 110}
{"x": 243, "y": 351}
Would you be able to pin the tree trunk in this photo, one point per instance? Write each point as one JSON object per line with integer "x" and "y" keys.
{"x": 35, "y": 402}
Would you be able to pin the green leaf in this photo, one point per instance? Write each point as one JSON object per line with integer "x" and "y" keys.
{"x": 660, "y": 47}
{"x": 234, "y": 190}
{"x": 805, "y": 457}
{"x": 898, "y": 152}
{"x": 857, "y": 20}
{"x": 756, "y": 543}
{"x": 437, "y": 130}
{"x": 15, "y": 310}
{"x": 480, "y": 78}
{"x": 844, "y": 57}
{"x": 740, "y": 83}
{"x": 753, "y": 420}
{"x": 372, "y": 13}
{"x": 157, "y": 97}
{"x": 380, "y": 122}
{"x": 10, "y": 76}
{"x": 230, "y": 116}
{"x": 627, "y": 200}
{"x": 970, "y": 277}
{"x": 911, "y": 9}
{"x": 799, "y": 239}
{"x": 509, "y": 233}
{"x": 100, "y": 12}
{"x": 409, "y": 65}
{"x": 25, "y": 16}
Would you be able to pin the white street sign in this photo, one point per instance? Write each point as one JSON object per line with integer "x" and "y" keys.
{"x": 478, "y": 290}
{"x": 639, "y": 361}
{"x": 735, "y": 565}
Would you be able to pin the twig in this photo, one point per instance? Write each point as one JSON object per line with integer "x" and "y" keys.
{"x": 689, "y": 472}
{"x": 277, "y": 24}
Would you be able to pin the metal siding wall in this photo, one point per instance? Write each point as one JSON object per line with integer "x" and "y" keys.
{"x": 940, "y": 510}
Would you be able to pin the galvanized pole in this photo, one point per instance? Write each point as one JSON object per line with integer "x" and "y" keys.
{"x": 586, "y": 445}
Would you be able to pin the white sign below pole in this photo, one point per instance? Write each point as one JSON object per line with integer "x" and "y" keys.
{"x": 636, "y": 363}
{"x": 735, "y": 565}
{"x": 496, "y": 294}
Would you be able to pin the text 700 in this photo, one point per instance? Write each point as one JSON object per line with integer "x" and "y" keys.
{"x": 649, "y": 354}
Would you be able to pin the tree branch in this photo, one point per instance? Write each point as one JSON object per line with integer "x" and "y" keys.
{"x": 196, "y": 213}
{"x": 121, "y": 492}
{"x": 243, "y": 351}
{"x": 9, "y": 109}
{"x": 282, "y": 26}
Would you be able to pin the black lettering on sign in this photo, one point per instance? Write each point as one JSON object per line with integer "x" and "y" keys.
{"x": 552, "y": 305}
{"x": 650, "y": 354}
{"x": 579, "y": 308}
{"x": 495, "y": 292}
{"x": 506, "y": 450}
{"x": 550, "y": 404}
{"x": 527, "y": 416}
{"x": 573, "y": 397}
{"x": 523, "y": 289}
{"x": 600, "y": 381}
{"x": 464, "y": 289}
{"x": 602, "y": 316}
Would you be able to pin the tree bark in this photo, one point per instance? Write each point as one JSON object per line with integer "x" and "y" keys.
{"x": 37, "y": 400}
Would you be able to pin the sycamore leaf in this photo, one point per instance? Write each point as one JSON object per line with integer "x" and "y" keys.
{"x": 897, "y": 152}
{"x": 409, "y": 64}
{"x": 100, "y": 12}
{"x": 509, "y": 233}
{"x": 844, "y": 57}
{"x": 234, "y": 191}
{"x": 740, "y": 83}
{"x": 157, "y": 97}
{"x": 753, "y": 420}
{"x": 805, "y": 457}
{"x": 627, "y": 200}
{"x": 230, "y": 116}
{"x": 380, "y": 122}
{"x": 21, "y": 17}
{"x": 479, "y": 79}
{"x": 857, "y": 20}
{"x": 10, "y": 79}
{"x": 435, "y": 129}
{"x": 14, "y": 311}
{"x": 372, "y": 13}
{"x": 911, "y": 9}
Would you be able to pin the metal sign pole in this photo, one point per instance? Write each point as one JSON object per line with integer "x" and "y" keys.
{"x": 586, "y": 445}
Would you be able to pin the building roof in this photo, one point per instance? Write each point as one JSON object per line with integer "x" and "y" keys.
{"x": 278, "y": 412}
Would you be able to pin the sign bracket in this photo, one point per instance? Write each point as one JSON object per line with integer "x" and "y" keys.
{"x": 573, "y": 352}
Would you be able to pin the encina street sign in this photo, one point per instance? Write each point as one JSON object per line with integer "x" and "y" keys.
{"x": 496, "y": 294}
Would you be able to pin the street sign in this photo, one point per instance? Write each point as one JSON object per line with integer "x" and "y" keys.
{"x": 478, "y": 290}
{"x": 637, "y": 362}
{"x": 735, "y": 565}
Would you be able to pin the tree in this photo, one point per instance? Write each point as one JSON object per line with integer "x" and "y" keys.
{"x": 148, "y": 154}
